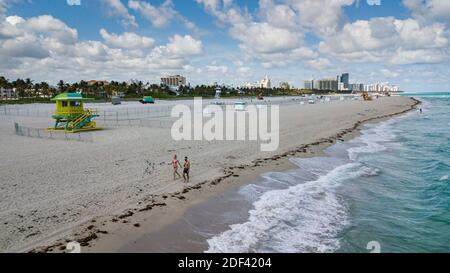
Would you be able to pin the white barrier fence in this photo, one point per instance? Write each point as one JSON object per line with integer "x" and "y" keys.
{"x": 46, "y": 134}
{"x": 158, "y": 111}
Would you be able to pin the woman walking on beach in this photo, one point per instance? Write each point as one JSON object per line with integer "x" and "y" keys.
{"x": 187, "y": 167}
{"x": 175, "y": 164}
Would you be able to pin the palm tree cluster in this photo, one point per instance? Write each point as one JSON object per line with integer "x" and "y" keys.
{"x": 26, "y": 89}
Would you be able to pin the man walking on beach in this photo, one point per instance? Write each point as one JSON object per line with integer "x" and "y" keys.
{"x": 187, "y": 167}
{"x": 175, "y": 164}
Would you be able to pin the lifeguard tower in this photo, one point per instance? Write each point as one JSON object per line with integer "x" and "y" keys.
{"x": 70, "y": 115}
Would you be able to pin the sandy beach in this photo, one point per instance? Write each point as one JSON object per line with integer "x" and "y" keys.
{"x": 109, "y": 192}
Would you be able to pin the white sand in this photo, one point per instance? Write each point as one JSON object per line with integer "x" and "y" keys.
{"x": 48, "y": 187}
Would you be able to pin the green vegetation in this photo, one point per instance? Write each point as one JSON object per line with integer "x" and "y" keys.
{"x": 29, "y": 92}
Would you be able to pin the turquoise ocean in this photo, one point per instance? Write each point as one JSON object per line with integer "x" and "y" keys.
{"x": 388, "y": 188}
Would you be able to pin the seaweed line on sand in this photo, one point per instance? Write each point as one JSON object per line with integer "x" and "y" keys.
{"x": 92, "y": 233}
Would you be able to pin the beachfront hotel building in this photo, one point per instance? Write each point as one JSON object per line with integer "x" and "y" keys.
{"x": 309, "y": 85}
{"x": 8, "y": 93}
{"x": 381, "y": 87}
{"x": 176, "y": 80}
{"x": 264, "y": 83}
{"x": 340, "y": 83}
{"x": 357, "y": 87}
{"x": 322, "y": 85}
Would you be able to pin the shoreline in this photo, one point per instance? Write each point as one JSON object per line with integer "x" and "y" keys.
{"x": 108, "y": 233}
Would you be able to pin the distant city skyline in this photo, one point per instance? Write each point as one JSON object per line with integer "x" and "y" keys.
{"x": 404, "y": 42}
{"x": 343, "y": 83}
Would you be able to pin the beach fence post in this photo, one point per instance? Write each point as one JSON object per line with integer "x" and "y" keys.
{"x": 38, "y": 133}
{"x": 117, "y": 118}
{"x": 16, "y": 126}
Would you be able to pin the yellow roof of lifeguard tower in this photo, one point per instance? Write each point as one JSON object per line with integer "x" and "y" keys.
{"x": 70, "y": 97}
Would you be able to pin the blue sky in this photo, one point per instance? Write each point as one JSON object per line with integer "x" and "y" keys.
{"x": 404, "y": 42}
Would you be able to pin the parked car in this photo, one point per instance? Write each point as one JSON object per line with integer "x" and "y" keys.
{"x": 116, "y": 101}
{"x": 148, "y": 100}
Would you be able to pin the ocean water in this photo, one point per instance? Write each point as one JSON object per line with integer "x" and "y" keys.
{"x": 389, "y": 187}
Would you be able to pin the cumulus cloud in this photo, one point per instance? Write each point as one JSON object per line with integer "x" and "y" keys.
{"x": 323, "y": 17}
{"x": 388, "y": 40}
{"x": 319, "y": 63}
{"x": 217, "y": 69}
{"x": 117, "y": 8}
{"x": 429, "y": 10}
{"x": 160, "y": 16}
{"x": 183, "y": 46}
{"x": 274, "y": 40}
{"x": 126, "y": 40}
{"x": 46, "y": 48}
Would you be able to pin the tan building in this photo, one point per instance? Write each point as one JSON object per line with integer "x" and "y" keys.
{"x": 176, "y": 80}
{"x": 94, "y": 82}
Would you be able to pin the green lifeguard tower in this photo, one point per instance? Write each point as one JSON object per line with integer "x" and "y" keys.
{"x": 70, "y": 115}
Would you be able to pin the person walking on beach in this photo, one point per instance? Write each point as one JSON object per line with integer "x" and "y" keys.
{"x": 175, "y": 164}
{"x": 187, "y": 167}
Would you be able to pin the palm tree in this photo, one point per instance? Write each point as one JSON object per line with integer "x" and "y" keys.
{"x": 61, "y": 86}
{"x": 20, "y": 86}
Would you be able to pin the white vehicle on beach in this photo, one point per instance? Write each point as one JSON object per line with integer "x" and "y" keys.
{"x": 240, "y": 106}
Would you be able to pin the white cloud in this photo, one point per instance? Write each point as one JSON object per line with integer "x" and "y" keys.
{"x": 429, "y": 10}
{"x": 45, "y": 48}
{"x": 160, "y": 16}
{"x": 127, "y": 40}
{"x": 180, "y": 46}
{"x": 264, "y": 38}
{"x": 323, "y": 17}
{"x": 74, "y": 2}
{"x": 388, "y": 40}
{"x": 273, "y": 41}
{"x": 217, "y": 69}
{"x": 117, "y": 8}
{"x": 319, "y": 63}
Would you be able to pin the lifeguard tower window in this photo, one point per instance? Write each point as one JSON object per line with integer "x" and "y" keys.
{"x": 64, "y": 104}
{"x": 75, "y": 103}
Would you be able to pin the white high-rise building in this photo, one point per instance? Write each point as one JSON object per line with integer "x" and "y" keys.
{"x": 264, "y": 83}
{"x": 7, "y": 93}
{"x": 381, "y": 87}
